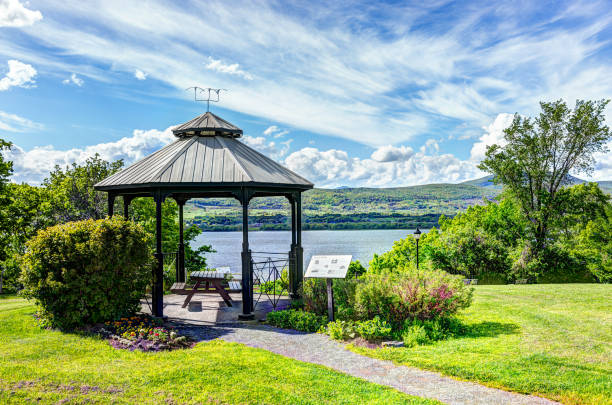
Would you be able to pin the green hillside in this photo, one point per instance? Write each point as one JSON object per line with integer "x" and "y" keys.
{"x": 352, "y": 208}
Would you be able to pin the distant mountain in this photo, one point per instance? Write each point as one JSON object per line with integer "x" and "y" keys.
{"x": 486, "y": 181}
{"x": 354, "y": 208}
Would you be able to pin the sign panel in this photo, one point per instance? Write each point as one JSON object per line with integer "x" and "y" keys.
{"x": 328, "y": 266}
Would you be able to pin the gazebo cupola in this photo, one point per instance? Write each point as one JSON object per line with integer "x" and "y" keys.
{"x": 207, "y": 124}
{"x": 208, "y": 161}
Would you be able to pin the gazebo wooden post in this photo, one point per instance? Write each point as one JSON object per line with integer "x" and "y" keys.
{"x": 293, "y": 279}
{"x": 111, "y": 204}
{"x": 126, "y": 205}
{"x": 299, "y": 251}
{"x": 180, "y": 265}
{"x": 158, "y": 271}
{"x": 247, "y": 269}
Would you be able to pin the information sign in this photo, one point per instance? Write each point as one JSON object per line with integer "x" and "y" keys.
{"x": 328, "y": 266}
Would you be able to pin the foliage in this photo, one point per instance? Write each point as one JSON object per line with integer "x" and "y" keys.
{"x": 341, "y": 330}
{"x": 298, "y": 320}
{"x": 355, "y": 269}
{"x": 478, "y": 242}
{"x": 417, "y": 332}
{"x": 142, "y": 210}
{"x": 70, "y": 191}
{"x": 594, "y": 246}
{"x": 276, "y": 286}
{"x": 6, "y": 169}
{"x": 408, "y": 294}
{"x": 49, "y": 367}
{"x": 373, "y": 329}
{"x": 314, "y": 293}
{"x": 87, "y": 272}
{"x": 315, "y": 296}
{"x": 537, "y": 159}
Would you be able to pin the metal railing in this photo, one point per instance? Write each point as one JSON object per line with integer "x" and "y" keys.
{"x": 270, "y": 276}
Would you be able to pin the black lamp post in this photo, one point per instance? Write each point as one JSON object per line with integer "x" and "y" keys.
{"x": 417, "y": 235}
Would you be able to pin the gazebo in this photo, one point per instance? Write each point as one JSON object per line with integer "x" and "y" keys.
{"x": 208, "y": 161}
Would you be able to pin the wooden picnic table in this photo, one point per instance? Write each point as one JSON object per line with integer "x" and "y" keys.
{"x": 204, "y": 282}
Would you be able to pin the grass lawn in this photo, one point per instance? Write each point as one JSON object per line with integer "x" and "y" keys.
{"x": 48, "y": 366}
{"x": 551, "y": 340}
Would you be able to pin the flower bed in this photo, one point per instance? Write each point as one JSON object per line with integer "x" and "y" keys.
{"x": 144, "y": 333}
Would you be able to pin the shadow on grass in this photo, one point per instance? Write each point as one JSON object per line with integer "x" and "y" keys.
{"x": 488, "y": 329}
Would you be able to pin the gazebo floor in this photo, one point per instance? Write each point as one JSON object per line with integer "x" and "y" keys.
{"x": 214, "y": 310}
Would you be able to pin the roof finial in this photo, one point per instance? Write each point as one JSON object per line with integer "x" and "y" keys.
{"x": 208, "y": 99}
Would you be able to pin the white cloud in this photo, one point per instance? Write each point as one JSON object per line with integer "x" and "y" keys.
{"x": 140, "y": 75}
{"x": 233, "y": 69}
{"x": 34, "y": 165}
{"x": 275, "y": 131}
{"x": 271, "y": 149}
{"x": 19, "y": 75}
{"x": 74, "y": 79}
{"x": 14, "y": 123}
{"x": 494, "y": 134}
{"x": 392, "y": 154}
{"x": 14, "y": 14}
{"x": 334, "y": 168}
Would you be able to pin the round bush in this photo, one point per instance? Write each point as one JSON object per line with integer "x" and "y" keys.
{"x": 410, "y": 294}
{"x": 87, "y": 272}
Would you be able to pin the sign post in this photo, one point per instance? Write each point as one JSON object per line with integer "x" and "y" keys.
{"x": 328, "y": 267}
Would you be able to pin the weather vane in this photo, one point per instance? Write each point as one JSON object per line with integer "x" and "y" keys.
{"x": 209, "y": 91}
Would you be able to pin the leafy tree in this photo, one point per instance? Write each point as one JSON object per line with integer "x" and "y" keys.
{"x": 71, "y": 194}
{"x": 6, "y": 169}
{"x": 24, "y": 207}
{"x": 537, "y": 160}
{"x": 594, "y": 246}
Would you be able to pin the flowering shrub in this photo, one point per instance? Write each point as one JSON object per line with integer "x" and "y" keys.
{"x": 87, "y": 272}
{"x": 143, "y": 333}
{"x": 298, "y": 320}
{"x": 410, "y": 294}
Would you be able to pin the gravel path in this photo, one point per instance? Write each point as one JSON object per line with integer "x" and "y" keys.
{"x": 319, "y": 349}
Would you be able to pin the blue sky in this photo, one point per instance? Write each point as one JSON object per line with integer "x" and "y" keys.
{"x": 358, "y": 93}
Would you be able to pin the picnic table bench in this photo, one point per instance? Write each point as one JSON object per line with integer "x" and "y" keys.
{"x": 207, "y": 282}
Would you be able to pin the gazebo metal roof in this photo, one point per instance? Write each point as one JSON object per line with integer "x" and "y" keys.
{"x": 197, "y": 159}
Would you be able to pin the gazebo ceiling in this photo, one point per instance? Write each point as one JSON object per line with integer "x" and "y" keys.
{"x": 204, "y": 160}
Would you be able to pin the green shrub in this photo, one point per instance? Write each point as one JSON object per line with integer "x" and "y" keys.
{"x": 408, "y": 294}
{"x": 341, "y": 330}
{"x": 298, "y": 320}
{"x": 87, "y": 272}
{"x": 315, "y": 295}
{"x": 276, "y": 286}
{"x": 373, "y": 329}
{"x": 417, "y": 332}
{"x": 415, "y": 335}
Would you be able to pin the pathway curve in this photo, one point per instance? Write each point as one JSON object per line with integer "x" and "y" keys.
{"x": 319, "y": 349}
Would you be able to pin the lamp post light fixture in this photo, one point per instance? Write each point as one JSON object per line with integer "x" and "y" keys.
{"x": 417, "y": 236}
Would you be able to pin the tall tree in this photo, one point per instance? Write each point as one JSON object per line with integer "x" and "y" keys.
{"x": 6, "y": 169}
{"x": 71, "y": 194}
{"x": 540, "y": 154}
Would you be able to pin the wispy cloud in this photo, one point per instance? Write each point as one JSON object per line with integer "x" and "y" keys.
{"x": 275, "y": 131}
{"x": 393, "y": 71}
{"x": 15, "y": 123}
{"x": 14, "y": 14}
{"x": 74, "y": 79}
{"x": 19, "y": 75}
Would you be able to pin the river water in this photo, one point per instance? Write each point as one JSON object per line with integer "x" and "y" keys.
{"x": 362, "y": 244}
